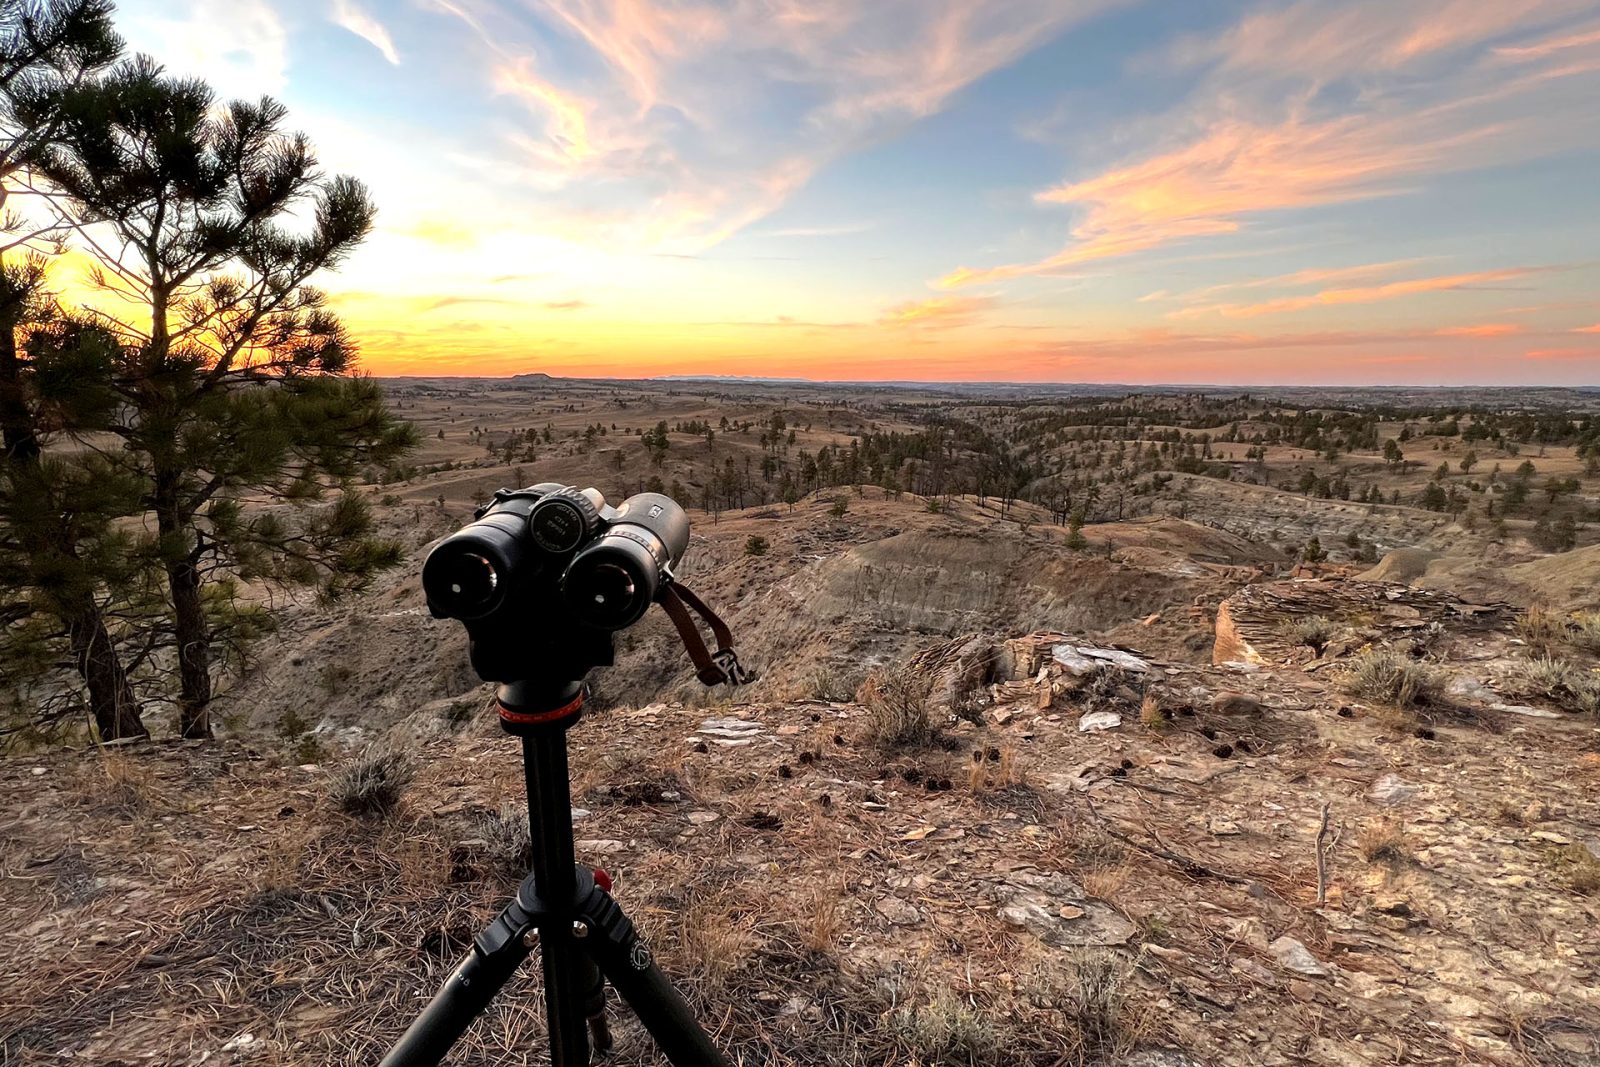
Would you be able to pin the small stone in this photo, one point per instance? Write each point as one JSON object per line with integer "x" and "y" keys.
{"x": 700, "y": 818}
{"x": 1391, "y": 790}
{"x": 1221, "y": 827}
{"x": 36, "y": 771}
{"x": 899, "y": 912}
{"x": 1550, "y": 837}
{"x": 1295, "y": 956}
{"x": 1095, "y": 721}
{"x": 1230, "y": 703}
{"x": 601, "y": 846}
{"x": 1391, "y": 905}
{"x": 1255, "y": 972}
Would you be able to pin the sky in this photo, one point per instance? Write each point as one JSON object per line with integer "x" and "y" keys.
{"x": 1195, "y": 191}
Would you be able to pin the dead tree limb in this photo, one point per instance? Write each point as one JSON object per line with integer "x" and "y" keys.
{"x": 1322, "y": 857}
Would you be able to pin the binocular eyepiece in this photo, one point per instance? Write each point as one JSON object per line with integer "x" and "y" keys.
{"x": 551, "y": 547}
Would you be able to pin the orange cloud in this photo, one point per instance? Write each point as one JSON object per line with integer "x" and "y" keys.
{"x": 1588, "y": 329}
{"x": 1487, "y": 329}
{"x": 1401, "y": 119}
{"x": 1362, "y": 295}
{"x": 1235, "y": 169}
{"x": 1562, "y": 353}
{"x": 568, "y": 130}
{"x": 1309, "y": 276}
{"x": 939, "y": 311}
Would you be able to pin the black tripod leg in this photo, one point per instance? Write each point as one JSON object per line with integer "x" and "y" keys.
{"x": 474, "y": 982}
{"x": 625, "y": 959}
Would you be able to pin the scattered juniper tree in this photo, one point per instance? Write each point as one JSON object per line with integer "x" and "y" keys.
{"x": 232, "y": 372}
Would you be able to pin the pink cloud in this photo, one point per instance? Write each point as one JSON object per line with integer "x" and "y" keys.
{"x": 1356, "y": 295}
{"x": 1487, "y": 329}
{"x": 1562, "y": 353}
{"x": 939, "y": 311}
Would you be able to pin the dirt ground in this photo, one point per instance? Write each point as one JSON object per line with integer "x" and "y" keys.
{"x": 1024, "y": 890}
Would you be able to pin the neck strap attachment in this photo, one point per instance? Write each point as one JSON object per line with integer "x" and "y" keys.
{"x": 714, "y": 668}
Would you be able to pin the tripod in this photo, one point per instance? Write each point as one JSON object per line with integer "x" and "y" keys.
{"x": 565, "y": 911}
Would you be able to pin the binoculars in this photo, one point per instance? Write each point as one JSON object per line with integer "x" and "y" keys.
{"x": 536, "y": 560}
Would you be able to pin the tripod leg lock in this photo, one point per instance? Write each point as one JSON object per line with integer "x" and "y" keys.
{"x": 608, "y": 924}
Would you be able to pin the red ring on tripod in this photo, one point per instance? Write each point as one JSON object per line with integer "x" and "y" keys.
{"x": 534, "y": 718}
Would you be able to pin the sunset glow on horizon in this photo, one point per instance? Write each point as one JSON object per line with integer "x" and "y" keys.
{"x": 1259, "y": 192}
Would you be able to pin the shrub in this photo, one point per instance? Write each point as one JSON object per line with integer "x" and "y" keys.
{"x": 1585, "y": 631}
{"x": 1384, "y": 842}
{"x": 1088, "y": 1000}
{"x": 507, "y": 842}
{"x": 1313, "y": 631}
{"x": 897, "y": 708}
{"x": 945, "y": 1030}
{"x": 1557, "y": 680}
{"x": 755, "y": 545}
{"x": 841, "y": 504}
{"x": 1388, "y": 678}
{"x": 1541, "y": 628}
{"x": 373, "y": 782}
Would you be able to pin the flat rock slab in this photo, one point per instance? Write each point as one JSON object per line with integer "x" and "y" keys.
{"x": 1056, "y": 910}
{"x": 731, "y": 732}
{"x": 1087, "y": 659}
{"x": 1296, "y": 957}
{"x": 1099, "y": 720}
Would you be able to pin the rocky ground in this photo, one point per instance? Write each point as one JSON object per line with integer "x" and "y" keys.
{"x": 1104, "y": 853}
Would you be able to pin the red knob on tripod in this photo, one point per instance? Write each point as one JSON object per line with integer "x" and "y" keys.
{"x": 602, "y": 879}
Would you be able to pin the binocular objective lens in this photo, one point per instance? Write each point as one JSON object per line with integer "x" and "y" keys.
{"x": 470, "y": 580}
{"x": 611, "y": 589}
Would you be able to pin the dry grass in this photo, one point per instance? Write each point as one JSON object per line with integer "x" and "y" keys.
{"x": 1313, "y": 631}
{"x": 945, "y": 1030}
{"x": 825, "y": 919}
{"x": 1086, "y": 1003}
{"x": 507, "y": 842}
{"x": 1384, "y": 842}
{"x": 373, "y": 782}
{"x": 1577, "y": 869}
{"x": 1541, "y": 628}
{"x": 119, "y": 783}
{"x": 1385, "y": 677}
{"x": 897, "y": 708}
{"x": 1557, "y": 680}
{"x": 1104, "y": 883}
{"x": 1152, "y": 716}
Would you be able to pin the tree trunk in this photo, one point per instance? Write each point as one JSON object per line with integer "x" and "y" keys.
{"x": 16, "y": 421}
{"x": 188, "y": 613}
{"x": 111, "y": 699}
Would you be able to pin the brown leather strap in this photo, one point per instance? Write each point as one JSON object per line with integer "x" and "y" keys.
{"x": 713, "y": 669}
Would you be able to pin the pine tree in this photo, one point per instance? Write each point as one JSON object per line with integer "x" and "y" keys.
{"x": 233, "y": 371}
{"x": 57, "y": 541}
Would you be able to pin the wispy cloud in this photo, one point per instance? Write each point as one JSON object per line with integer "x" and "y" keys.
{"x": 939, "y": 311}
{"x": 1369, "y": 294}
{"x": 1562, "y": 353}
{"x": 351, "y": 16}
{"x": 1315, "y": 105}
{"x": 565, "y": 305}
{"x": 1486, "y": 329}
{"x": 701, "y": 118}
{"x": 1588, "y": 329}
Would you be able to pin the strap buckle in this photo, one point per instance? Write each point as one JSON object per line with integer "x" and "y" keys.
{"x": 727, "y": 661}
